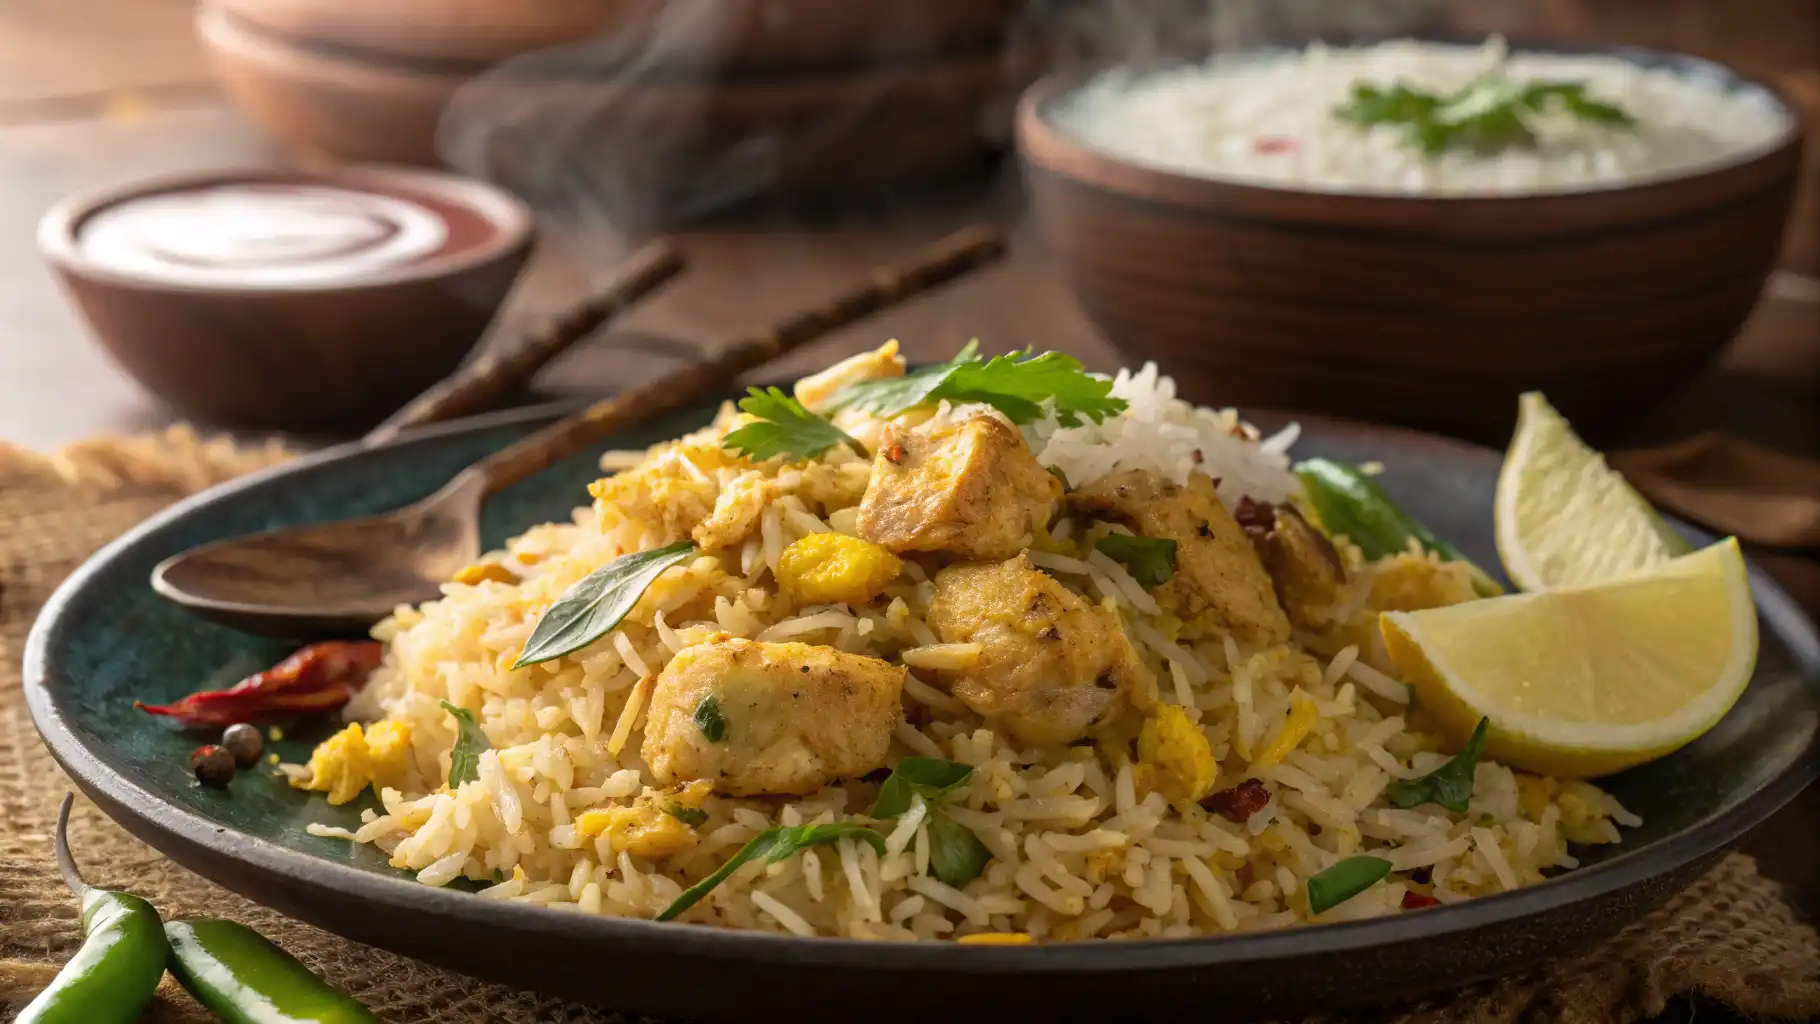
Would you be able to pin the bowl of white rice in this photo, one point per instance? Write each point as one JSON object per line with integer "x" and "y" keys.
{"x": 1416, "y": 231}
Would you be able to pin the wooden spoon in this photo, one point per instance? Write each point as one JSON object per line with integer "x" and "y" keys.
{"x": 337, "y": 579}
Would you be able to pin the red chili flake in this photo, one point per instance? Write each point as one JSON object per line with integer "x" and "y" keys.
{"x": 1275, "y": 144}
{"x": 1199, "y": 456}
{"x": 320, "y": 677}
{"x": 1255, "y": 517}
{"x": 893, "y": 452}
{"x": 1413, "y": 900}
{"x": 1240, "y": 802}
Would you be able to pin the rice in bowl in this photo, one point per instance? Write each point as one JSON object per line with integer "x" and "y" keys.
{"x": 1233, "y": 762}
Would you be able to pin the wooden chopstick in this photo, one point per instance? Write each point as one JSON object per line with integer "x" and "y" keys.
{"x": 484, "y": 383}
{"x": 946, "y": 260}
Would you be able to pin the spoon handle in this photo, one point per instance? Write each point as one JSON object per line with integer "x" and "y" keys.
{"x": 946, "y": 260}
{"x": 482, "y": 384}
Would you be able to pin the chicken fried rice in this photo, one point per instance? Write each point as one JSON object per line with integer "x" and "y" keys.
{"x": 1041, "y": 677}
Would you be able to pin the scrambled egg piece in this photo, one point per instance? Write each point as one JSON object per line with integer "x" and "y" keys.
{"x": 1302, "y": 716}
{"x": 828, "y": 568}
{"x": 348, "y": 762}
{"x": 676, "y": 488}
{"x": 650, "y": 827}
{"x": 736, "y": 512}
{"x": 1412, "y": 582}
{"x": 482, "y": 572}
{"x": 1175, "y": 748}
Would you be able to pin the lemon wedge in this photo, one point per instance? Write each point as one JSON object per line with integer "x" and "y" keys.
{"x": 1563, "y": 517}
{"x": 1585, "y": 681}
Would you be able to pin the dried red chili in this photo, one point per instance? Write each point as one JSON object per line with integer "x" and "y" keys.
{"x": 1240, "y": 802}
{"x": 1268, "y": 144}
{"x": 320, "y": 677}
{"x": 1416, "y": 901}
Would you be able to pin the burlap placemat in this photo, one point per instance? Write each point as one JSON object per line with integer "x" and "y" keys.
{"x": 1730, "y": 937}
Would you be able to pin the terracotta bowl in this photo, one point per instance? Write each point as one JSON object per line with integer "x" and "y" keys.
{"x": 919, "y": 120}
{"x": 738, "y": 35}
{"x": 1432, "y": 312}
{"x": 330, "y": 357}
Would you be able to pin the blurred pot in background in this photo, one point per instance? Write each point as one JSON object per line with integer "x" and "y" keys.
{"x": 665, "y": 109}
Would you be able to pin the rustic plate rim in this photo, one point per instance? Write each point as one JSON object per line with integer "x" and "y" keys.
{"x": 166, "y": 826}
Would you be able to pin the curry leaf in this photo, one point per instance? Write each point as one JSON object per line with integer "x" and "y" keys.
{"x": 1449, "y": 785}
{"x": 1022, "y": 385}
{"x": 470, "y": 742}
{"x": 689, "y": 816}
{"x": 709, "y": 720}
{"x": 931, "y": 777}
{"x": 1343, "y": 881}
{"x": 956, "y": 855}
{"x": 782, "y": 426}
{"x": 1150, "y": 560}
{"x": 591, "y": 608}
{"x": 771, "y": 846}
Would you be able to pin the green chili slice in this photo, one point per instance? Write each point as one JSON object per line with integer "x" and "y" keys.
{"x": 243, "y": 978}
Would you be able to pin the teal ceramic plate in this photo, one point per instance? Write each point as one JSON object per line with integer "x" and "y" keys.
{"x": 105, "y": 640}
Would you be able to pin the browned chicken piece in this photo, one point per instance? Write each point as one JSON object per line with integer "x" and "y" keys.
{"x": 761, "y": 718}
{"x": 1217, "y": 573}
{"x": 1301, "y": 561}
{"x": 971, "y": 489}
{"x": 1052, "y": 667}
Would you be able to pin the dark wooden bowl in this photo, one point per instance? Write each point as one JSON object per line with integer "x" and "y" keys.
{"x": 1430, "y": 312}
{"x": 333, "y": 357}
{"x": 659, "y": 137}
{"x": 721, "y": 35}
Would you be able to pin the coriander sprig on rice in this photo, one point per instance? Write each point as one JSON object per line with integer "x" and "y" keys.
{"x": 781, "y": 425}
{"x": 470, "y": 743}
{"x": 956, "y": 855}
{"x": 1450, "y": 785}
{"x": 1488, "y": 115}
{"x": 1022, "y": 385}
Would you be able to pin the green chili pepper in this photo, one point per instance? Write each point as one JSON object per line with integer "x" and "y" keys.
{"x": 113, "y": 975}
{"x": 1349, "y": 503}
{"x": 244, "y": 979}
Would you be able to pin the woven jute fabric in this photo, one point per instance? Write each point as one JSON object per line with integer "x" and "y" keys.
{"x": 1730, "y": 936}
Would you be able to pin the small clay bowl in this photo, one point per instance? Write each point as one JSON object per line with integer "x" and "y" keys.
{"x": 314, "y": 355}
{"x": 1433, "y": 312}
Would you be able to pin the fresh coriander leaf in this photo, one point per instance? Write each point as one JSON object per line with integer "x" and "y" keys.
{"x": 1150, "y": 560}
{"x": 771, "y": 846}
{"x": 591, "y": 608}
{"x": 956, "y": 855}
{"x": 931, "y": 777}
{"x": 1020, "y": 385}
{"x": 709, "y": 720}
{"x": 783, "y": 427}
{"x": 470, "y": 742}
{"x": 1343, "y": 881}
{"x": 892, "y": 395}
{"x": 689, "y": 816}
{"x": 1449, "y": 785}
{"x": 1485, "y": 116}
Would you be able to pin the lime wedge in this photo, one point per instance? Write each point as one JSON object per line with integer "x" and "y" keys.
{"x": 1563, "y": 517}
{"x": 1589, "y": 680}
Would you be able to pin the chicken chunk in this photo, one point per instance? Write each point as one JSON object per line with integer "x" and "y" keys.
{"x": 737, "y": 510}
{"x": 818, "y": 389}
{"x": 1052, "y": 667}
{"x": 756, "y": 718}
{"x": 1218, "y": 574}
{"x": 971, "y": 489}
{"x": 1301, "y": 561}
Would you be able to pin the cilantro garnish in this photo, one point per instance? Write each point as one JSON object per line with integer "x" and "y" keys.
{"x": 1449, "y": 785}
{"x": 782, "y": 427}
{"x": 956, "y": 855}
{"x": 1020, "y": 385}
{"x": 1486, "y": 116}
{"x": 1150, "y": 560}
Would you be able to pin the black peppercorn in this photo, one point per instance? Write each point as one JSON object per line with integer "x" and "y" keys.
{"x": 213, "y": 766}
{"x": 244, "y": 743}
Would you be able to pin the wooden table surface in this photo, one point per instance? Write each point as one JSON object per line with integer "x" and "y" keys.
{"x": 92, "y": 91}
